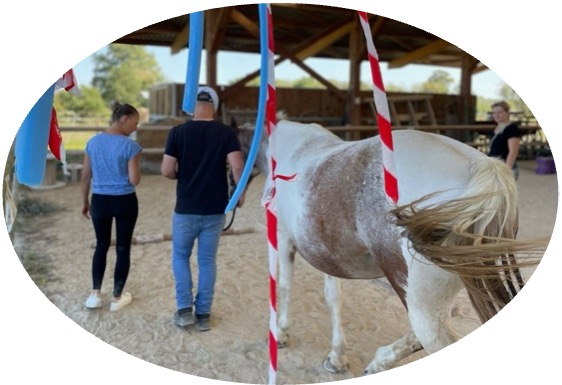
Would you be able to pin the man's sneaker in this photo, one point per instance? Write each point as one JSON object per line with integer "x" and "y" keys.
{"x": 203, "y": 322}
{"x": 93, "y": 301}
{"x": 184, "y": 317}
{"x": 123, "y": 301}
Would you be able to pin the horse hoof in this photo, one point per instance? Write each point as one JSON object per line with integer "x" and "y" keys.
{"x": 280, "y": 344}
{"x": 327, "y": 364}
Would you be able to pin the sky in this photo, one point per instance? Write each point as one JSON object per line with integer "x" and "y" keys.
{"x": 237, "y": 65}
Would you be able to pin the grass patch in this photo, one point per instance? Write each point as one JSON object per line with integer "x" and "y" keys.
{"x": 34, "y": 206}
{"x": 36, "y": 262}
{"x": 76, "y": 140}
{"x": 38, "y": 267}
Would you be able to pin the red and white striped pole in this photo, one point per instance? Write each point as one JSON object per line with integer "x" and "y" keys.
{"x": 271, "y": 218}
{"x": 383, "y": 115}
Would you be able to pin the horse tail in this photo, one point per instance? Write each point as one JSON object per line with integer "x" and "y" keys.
{"x": 474, "y": 236}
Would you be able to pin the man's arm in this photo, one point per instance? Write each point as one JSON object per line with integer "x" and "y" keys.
{"x": 237, "y": 166}
{"x": 168, "y": 168}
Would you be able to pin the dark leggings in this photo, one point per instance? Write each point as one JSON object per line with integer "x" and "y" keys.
{"x": 125, "y": 210}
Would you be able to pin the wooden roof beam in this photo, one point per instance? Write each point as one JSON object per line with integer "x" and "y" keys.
{"x": 310, "y": 7}
{"x": 311, "y": 46}
{"x": 181, "y": 39}
{"x": 233, "y": 88}
{"x": 245, "y": 22}
{"x": 220, "y": 17}
{"x": 479, "y": 68}
{"x": 307, "y": 49}
{"x": 294, "y": 56}
{"x": 417, "y": 54}
{"x": 325, "y": 41}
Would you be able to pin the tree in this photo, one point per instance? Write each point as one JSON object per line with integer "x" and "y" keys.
{"x": 89, "y": 104}
{"x": 438, "y": 83}
{"x": 123, "y": 72}
{"x": 515, "y": 102}
{"x": 391, "y": 87}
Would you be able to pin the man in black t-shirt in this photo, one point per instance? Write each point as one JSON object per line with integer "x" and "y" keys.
{"x": 196, "y": 154}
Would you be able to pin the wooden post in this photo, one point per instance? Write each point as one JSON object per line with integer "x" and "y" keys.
{"x": 211, "y": 17}
{"x": 467, "y": 111}
{"x": 354, "y": 94}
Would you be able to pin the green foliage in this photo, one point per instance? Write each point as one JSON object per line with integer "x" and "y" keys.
{"x": 88, "y": 103}
{"x": 518, "y": 106}
{"x": 438, "y": 83}
{"x": 37, "y": 264}
{"x": 124, "y": 72}
{"x": 38, "y": 267}
{"x": 515, "y": 102}
{"x": 303, "y": 82}
{"x": 483, "y": 107}
{"x": 391, "y": 87}
{"x": 34, "y": 206}
{"x": 307, "y": 82}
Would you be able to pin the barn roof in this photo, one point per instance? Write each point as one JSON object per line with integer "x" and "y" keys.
{"x": 305, "y": 30}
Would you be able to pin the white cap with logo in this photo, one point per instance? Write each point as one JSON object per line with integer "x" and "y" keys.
{"x": 207, "y": 94}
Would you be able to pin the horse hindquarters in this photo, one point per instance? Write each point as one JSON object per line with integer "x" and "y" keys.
{"x": 467, "y": 241}
{"x": 474, "y": 236}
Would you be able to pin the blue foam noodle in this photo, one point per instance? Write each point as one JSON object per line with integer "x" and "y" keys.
{"x": 196, "y": 24}
{"x": 32, "y": 140}
{"x": 262, "y": 99}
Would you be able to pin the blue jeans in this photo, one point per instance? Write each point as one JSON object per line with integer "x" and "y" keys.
{"x": 516, "y": 170}
{"x": 206, "y": 229}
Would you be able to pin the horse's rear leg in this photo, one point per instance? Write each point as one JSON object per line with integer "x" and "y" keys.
{"x": 388, "y": 356}
{"x": 286, "y": 258}
{"x": 430, "y": 295}
{"x": 337, "y": 361}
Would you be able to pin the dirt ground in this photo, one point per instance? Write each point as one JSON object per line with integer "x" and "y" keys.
{"x": 236, "y": 349}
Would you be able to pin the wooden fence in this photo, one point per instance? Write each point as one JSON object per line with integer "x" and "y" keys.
{"x": 153, "y": 138}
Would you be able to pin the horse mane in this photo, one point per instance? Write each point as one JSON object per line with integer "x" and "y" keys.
{"x": 474, "y": 236}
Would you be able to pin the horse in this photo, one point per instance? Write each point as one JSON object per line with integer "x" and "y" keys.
{"x": 453, "y": 226}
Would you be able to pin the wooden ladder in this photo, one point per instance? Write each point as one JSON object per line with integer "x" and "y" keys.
{"x": 417, "y": 108}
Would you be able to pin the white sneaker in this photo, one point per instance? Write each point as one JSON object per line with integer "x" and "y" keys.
{"x": 123, "y": 301}
{"x": 93, "y": 301}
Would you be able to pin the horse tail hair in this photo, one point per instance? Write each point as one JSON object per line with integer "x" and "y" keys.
{"x": 474, "y": 236}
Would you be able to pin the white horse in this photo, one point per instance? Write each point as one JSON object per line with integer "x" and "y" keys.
{"x": 453, "y": 226}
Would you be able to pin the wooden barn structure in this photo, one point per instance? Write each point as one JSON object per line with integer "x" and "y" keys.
{"x": 303, "y": 31}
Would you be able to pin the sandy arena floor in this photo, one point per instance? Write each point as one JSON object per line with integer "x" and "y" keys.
{"x": 235, "y": 350}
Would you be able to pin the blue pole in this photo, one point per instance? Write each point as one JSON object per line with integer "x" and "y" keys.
{"x": 196, "y": 22}
{"x": 261, "y": 111}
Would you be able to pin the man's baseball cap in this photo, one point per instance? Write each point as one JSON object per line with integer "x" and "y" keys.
{"x": 207, "y": 94}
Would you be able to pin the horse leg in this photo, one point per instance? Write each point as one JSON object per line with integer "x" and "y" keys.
{"x": 286, "y": 257}
{"x": 388, "y": 356}
{"x": 337, "y": 361}
{"x": 430, "y": 295}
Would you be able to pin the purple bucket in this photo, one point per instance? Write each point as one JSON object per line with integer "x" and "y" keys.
{"x": 545, "y": 165}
